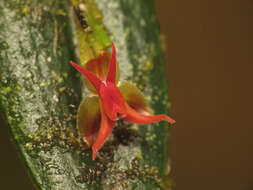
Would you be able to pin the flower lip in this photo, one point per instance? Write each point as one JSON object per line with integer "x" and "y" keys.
{"x": 112, "y": 101}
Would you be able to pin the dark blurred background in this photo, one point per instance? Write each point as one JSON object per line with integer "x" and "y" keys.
{"x": 209, "y": 60}
{"x": 210, "y": 64}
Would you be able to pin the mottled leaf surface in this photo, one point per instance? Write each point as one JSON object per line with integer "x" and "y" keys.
{"x": 40, "y": 93}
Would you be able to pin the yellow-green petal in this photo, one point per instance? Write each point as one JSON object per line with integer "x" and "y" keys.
{"x": 88, "y": 119}
{"x": 134, "y": 97}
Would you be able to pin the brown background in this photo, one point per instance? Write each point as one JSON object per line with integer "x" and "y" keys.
{"x": 210, "y": 63}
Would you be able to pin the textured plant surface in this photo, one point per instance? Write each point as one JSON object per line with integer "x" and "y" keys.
{"x": 40, "y": 91}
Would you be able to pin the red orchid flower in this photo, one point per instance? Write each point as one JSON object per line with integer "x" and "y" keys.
{"x": 97, "y": 114}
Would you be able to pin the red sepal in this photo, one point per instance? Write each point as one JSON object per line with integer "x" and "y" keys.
{"x": 95, "y": 81}
{"x": 105, "y": 130}
{"x": 136, "y": 117}
{"x": 111, "y": 76}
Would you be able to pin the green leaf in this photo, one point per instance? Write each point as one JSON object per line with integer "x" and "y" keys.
{"x": 40, "y": 93}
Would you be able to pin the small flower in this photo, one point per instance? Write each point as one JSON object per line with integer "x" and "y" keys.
{"x": 97, "y": 114}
